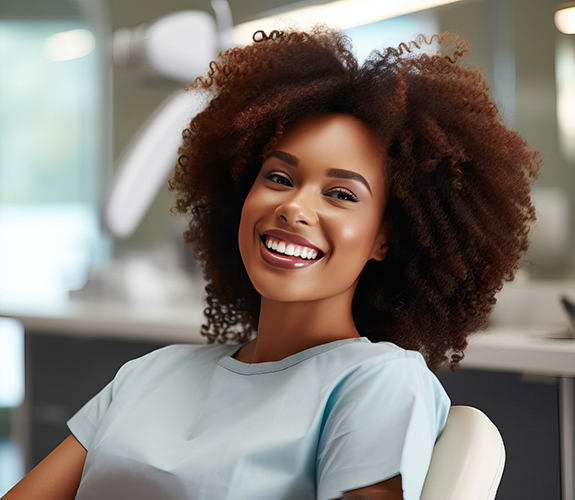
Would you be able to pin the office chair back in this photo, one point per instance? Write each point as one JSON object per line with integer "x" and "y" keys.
{"x": 468, "y": 458}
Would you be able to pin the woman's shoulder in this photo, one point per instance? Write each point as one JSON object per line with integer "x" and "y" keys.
{"x": 395, "y": 377}
{"x": 383, "y": 353}
{"x": 171, "y": 358}
{"x": 174, "y": 352}
{"x": 387, "y": 364}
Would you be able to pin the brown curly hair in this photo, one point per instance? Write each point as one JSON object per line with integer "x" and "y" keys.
{"x": 459, "y": 201}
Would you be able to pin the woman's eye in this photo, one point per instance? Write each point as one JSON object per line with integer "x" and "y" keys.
{"x": 346, "y": 195}
{"x": 272, "y": 177}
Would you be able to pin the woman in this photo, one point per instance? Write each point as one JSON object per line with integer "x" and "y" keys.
{"x": 353, "y": 224}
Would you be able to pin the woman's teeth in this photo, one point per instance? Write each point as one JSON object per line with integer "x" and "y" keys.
{"x": 290, "y": 249}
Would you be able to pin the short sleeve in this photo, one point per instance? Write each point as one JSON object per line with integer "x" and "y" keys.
{"x": 382, "y": 420}
{"x": 85, "y": 422}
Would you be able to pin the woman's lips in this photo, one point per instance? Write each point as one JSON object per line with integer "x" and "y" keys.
{"x": 284, "y": 261}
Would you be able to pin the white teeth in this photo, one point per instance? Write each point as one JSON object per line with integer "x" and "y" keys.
{"x": 290, "y": 249}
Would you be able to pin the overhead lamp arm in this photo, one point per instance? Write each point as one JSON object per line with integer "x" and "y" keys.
{"x": 179, "y": 46}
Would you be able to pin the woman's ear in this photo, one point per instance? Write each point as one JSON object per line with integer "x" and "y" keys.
{"x": 381, "y": 245}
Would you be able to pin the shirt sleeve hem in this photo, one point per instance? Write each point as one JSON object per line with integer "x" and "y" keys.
{"x": 82, "y": 429}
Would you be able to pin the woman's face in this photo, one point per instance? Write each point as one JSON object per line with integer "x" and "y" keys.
{"x": 324, "y": 184}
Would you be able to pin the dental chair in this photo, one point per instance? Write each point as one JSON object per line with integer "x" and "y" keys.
{"x": 467, "y": 460}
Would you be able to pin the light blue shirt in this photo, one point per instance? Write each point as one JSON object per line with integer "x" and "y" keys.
{"x": 192, "y": 422}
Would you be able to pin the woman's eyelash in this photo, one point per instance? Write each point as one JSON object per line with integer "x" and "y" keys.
{"x": 353, "y": 197}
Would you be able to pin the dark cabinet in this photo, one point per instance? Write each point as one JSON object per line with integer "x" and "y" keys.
{"x": 526, "y": 412}
{"x": 64, "y": 372}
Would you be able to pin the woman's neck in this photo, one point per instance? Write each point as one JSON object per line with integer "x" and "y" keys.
{"x": 286, "y": 328}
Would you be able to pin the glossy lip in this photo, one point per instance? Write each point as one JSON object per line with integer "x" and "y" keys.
{"x": 293, "y": 238}
{"x": 284, "y": 261}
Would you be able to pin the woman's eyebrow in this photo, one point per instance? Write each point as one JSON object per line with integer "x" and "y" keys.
{"x": 336, "y": 173}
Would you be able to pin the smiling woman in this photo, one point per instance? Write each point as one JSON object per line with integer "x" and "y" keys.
{"x": 457, "y": 207}
{"x": 353, "y": 225}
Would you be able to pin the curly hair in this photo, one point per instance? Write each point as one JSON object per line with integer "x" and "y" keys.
{"x": 460, "y": 190}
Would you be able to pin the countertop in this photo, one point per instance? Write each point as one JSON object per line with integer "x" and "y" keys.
{"x": 524, "y": 349}
{"x": 122, "y": 321}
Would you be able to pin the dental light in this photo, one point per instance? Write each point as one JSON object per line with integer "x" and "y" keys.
{"x": 565, "y": 18}
{"x": 180, "y": 47}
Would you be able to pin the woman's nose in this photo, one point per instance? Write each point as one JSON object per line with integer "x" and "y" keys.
{"x": 298, "y": 209}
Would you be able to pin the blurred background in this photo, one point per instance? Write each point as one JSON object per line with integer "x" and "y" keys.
{"x": 93, "y": 269}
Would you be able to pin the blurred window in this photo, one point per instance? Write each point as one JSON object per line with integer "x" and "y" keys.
{"x": 50, "y": 142}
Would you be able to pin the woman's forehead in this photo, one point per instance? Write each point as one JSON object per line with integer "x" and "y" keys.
{"x": 332, "y": 140}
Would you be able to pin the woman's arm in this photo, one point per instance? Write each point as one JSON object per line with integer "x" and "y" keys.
{"x": 392, "y": 487}
{"x": 57, "y": 477}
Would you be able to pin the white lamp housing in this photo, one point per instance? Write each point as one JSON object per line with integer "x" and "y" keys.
{"x": 565, "y": 19}
{"x": 179, "y": 46}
